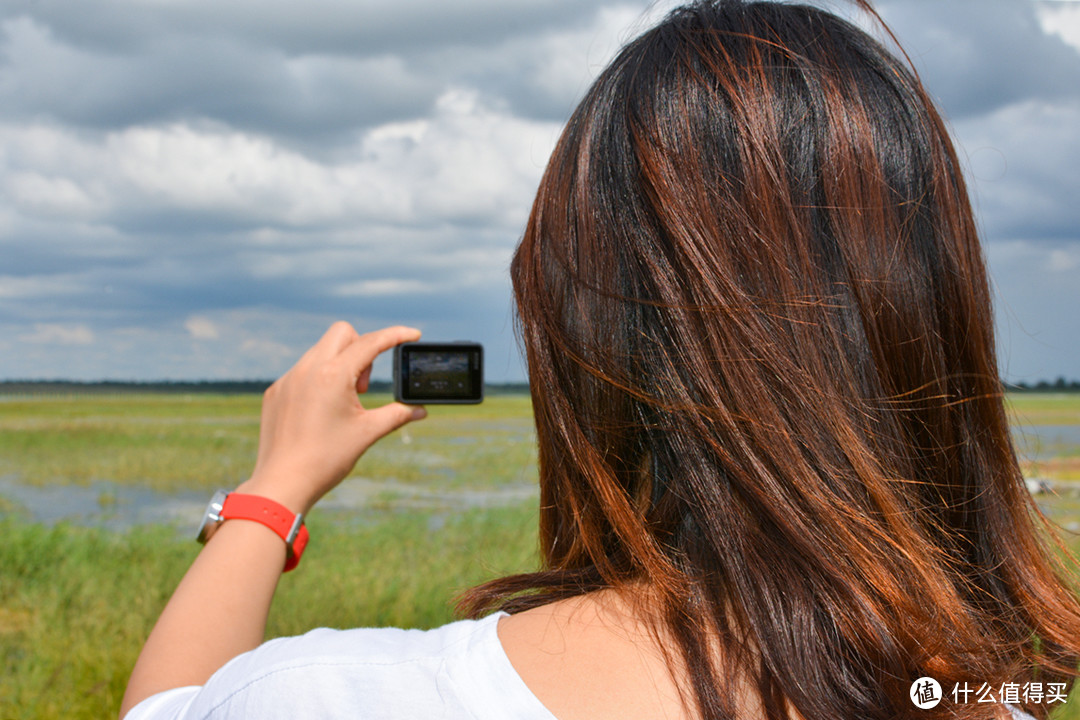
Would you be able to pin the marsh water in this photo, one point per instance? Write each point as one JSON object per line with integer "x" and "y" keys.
{"x": 1034, "y": 442}
{"x": 119, "y": 506}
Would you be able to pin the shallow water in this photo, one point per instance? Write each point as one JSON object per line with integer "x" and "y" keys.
{"x": 102, "y": 504}
{"x": 1043, "y": 441}
{"x": 119, "y": 507}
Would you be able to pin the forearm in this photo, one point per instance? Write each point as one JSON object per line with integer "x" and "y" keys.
{"x": 218, "y": 611}
{"x": 312, "y": 432}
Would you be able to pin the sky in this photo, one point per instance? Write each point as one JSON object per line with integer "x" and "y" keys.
{"x": 196, "y": 189}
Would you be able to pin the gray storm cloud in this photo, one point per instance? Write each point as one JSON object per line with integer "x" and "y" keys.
{"x": 195, "y": 189}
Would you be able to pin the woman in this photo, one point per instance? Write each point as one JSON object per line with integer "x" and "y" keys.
{"x": 776, "y": 473}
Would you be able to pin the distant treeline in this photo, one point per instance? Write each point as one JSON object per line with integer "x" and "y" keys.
{"x": 1060, "y": 385}
{"x": 239, "y": 387}
{"x": 186, "y": 387}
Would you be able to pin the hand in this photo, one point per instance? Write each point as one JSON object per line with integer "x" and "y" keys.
{"x": 313, "y": 427}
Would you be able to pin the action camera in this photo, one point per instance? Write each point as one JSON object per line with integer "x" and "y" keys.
{"x": 450, "y": 373}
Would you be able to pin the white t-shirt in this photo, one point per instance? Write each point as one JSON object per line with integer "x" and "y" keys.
{"x": 457, "y": 671}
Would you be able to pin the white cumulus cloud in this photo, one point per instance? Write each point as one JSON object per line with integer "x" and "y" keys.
{"x": 53, "y": 334}
{"x": 201, "y": 328}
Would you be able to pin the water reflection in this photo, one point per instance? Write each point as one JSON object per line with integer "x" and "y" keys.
{"x": 118, "y": 507}
{"x": 115, "y": 506}
{"x": 101, "y": 504}
{"x": 1039, "y": 442}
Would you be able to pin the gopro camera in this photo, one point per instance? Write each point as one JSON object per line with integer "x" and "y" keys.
{"x": 450, "y": 373}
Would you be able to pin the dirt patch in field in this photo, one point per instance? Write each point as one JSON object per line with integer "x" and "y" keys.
{"x": 14, "y": 621}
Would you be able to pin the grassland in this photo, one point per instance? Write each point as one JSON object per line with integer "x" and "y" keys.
{"x": 76, "y": 602}
{"x": 1056, "y": 460}
{"x": 178, "y": 442}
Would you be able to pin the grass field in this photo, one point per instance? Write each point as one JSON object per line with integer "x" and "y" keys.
{"x": 429, "y": 512}
{"x": 1055, "y": 458}
{"x": 184, "y": 442}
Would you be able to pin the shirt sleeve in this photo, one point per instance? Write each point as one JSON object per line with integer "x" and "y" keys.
{"x": 453, "y": 672}
{"x": 168, "y": 705}
{"x": 1018, "y": 714}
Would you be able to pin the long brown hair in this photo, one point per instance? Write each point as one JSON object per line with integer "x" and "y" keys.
{"x": 761, "y": 354}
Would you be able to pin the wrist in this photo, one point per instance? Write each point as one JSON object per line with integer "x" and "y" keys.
{"x": 279, "y": 487}
{"x": 257, "y": 509}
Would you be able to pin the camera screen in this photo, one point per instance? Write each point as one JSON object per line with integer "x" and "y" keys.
{"x": 440, "y": 373}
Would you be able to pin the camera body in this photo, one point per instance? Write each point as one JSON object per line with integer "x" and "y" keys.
{"x": 442, "y": 373}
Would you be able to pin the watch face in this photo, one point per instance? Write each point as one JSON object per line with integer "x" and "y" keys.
{"x": 212, "y": 516}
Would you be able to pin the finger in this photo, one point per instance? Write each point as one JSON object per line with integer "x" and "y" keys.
{"x": 388, "y": 418}
{"x": 337, "y": 338}
{"x": 359, "y": 356}
{"x": 364, "y": 380}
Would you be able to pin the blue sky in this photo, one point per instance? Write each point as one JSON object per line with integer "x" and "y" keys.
{"x": 196, "y": 189}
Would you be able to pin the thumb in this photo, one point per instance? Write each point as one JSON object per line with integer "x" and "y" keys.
{"x": 388, "y": 418}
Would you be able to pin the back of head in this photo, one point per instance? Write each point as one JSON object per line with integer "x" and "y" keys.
{"x": 761, "y": 352}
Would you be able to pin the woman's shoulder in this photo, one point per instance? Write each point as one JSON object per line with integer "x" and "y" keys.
{"x": 456, "y": 670}
{"x": 595, "y": 656}
{"x": 374, "y": 652}
{"x": 378, "y": 645}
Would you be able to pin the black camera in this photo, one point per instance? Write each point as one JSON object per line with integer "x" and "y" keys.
{"x": 450, "y": 373}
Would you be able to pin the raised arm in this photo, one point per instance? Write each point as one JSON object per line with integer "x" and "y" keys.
{"x": 313, "y": 430}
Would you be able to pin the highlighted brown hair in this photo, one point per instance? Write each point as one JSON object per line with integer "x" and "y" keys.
{"x": 761, "y": 354}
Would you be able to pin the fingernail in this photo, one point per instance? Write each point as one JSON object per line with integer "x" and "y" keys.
{"x": 418, "y": 413}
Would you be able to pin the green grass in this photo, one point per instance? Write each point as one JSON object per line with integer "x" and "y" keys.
{"x": 167, "y": 442}
{"x": 76, "y": 603}
{"x": 484, "y": 446}
{"x": 1044, "y": 408}
{"x": 1053, "y": 460}
{"x": 176, "y": 442}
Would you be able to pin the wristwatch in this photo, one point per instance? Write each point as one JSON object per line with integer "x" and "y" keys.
{"x": 238, "y": 506}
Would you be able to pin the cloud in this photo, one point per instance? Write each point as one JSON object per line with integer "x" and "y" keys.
{"x": 383, "y": 286}
{"x": 205, "y": 186}
{"x": 466, "y": 161}
{"x": 267, "y": 349}
{"x": 340, "y": 27}
{"x": 211, "y": 78}
{"x": 308, "y": 74}
{"x": 976, "y": 57}
{"x": 1018, "y": 158}
{"x": 1061, "y": 19}
{"x": 51, "y": 334}
{"x": 187, "y": 221}
{"x": 544, "y": 74}
{"x": 201, "y": 328}
{"x": 36, "y": 287}
{"x": 1036, "y": 292}
{"x": 1064, "y": 260}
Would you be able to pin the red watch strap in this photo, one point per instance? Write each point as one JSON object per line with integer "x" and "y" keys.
{"x": 274, "y": 515}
